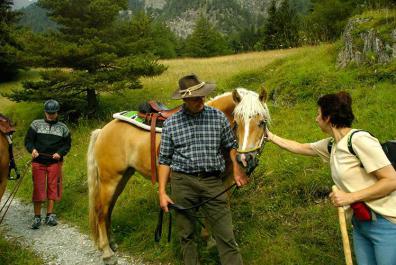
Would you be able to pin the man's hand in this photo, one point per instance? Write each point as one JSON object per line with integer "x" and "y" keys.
{"x": 56, "y": 156}
{"x": 339, "y": 198}
{"x": 239, "y": 176}
{"x": 164, "y": 201}
{"x": 35, "y": 153}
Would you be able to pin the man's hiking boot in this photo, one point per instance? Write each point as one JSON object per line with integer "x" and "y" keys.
{"x": 51, "y": 220}
{"x": 36, "y": 222}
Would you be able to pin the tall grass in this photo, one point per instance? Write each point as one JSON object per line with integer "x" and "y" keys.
{"x": 283, "y": 216}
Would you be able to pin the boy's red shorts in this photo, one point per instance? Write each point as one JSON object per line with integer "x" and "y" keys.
{"x": 47, "y": 181}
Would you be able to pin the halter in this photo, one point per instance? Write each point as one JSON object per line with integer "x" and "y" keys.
{"x": 261, "y": 144}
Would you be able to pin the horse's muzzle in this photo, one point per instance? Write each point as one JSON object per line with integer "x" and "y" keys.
{"x": 249, "y": 161}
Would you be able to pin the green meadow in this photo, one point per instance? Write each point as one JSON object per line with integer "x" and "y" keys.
{"x": 283, "y": 216}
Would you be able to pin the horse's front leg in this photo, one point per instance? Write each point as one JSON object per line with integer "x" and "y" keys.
{"x": 3, "y": 181}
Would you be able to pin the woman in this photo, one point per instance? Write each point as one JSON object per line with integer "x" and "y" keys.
{"x": 365, "y": 177}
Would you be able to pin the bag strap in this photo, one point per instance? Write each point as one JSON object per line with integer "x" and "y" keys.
{"x": 349, "y": 142}
{"x": 330, "y": 145}
{"x": 350, "y": 147}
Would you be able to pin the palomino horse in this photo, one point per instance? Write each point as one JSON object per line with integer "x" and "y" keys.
{"x": 5, "y": 127}
{"x": 119, "y": 149}
{"x": 4, "y": 163}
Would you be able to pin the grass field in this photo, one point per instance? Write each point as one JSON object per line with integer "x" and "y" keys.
{"x": 283, "y": 215}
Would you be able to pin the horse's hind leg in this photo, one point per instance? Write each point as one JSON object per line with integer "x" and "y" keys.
{"x": 108, "y": 187}
{"x": 120, "y": 187}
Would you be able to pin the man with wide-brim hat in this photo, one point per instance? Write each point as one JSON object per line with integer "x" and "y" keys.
{"x": 193, "y": 141}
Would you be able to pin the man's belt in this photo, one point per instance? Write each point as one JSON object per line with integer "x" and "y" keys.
{"x": 203, "y": 174}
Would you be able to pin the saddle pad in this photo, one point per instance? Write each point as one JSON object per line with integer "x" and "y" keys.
{"x": 133, "y": 118}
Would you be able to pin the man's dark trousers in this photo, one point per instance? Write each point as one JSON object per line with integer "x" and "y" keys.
{"x": 189, "y": 190}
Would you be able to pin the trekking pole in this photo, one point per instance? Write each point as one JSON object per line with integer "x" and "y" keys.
{"x": 344, "y": 233}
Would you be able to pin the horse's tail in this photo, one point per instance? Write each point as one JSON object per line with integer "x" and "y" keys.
{"x": 93, "y": 185}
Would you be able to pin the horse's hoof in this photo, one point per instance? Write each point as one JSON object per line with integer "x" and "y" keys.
{"x": 114, "y": 246}
{"x": 110, "y": 260}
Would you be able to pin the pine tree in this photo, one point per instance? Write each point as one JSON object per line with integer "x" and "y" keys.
{"x": 9, "y": 47}
{"x": 85, "y": 53}
{"x": 206, "y": 41}
{"x": 142, "y": 33}
{"x": 281, "y": 28}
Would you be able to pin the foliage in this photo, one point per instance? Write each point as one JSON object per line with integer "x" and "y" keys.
{"x": 205, "y": 41}
{"x": 13, "y": 253}
{"x": 9, "y": 47}
{"x": 281, "y": 27}
{"x": 36, "y": 18}
{"x": 143, "y": 33}
{"x": 85, "y": 48}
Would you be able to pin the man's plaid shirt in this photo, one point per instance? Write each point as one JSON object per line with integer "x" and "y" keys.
{"x": 194, "y": 143}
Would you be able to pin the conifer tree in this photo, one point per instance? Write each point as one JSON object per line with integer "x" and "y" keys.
{"x": 281, "y": 27}
{"x": 206, "y": 41}
{"x": 85, "y": 56}
{"x": 9, "y": 47}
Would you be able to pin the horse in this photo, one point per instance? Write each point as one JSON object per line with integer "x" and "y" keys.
{"x": 119, "y": 149}
{"x": 4, "y": 163}
{"x": 6, "y": 126}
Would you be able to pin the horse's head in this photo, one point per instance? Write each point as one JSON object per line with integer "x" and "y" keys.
{"x": 251, "y": 116}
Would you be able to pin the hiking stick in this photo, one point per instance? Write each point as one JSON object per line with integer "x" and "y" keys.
{"x": 344, "y": 233}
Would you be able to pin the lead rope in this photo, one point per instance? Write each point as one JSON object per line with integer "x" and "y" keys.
{"x": 13, "y": 193}
{"x": 176, "y": 207}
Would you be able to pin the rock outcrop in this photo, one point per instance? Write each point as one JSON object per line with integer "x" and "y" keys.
{"x": 366, "y": 45}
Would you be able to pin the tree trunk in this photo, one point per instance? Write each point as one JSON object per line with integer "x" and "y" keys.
{"x": 92, "y": 101}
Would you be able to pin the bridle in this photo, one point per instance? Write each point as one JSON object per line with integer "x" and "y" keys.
{"x": 261, "y": 144}
{"x": 253, "y": 153}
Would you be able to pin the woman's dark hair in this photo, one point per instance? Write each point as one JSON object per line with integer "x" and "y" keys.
{"x": 338, "y": 107}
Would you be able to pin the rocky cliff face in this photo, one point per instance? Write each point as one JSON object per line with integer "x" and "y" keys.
{"x": 367, "y": 40}
{"x": 156, "y": 4}
{"x": 228, "y": 16}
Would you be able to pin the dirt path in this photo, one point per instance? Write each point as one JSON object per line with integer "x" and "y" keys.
{"x": 58, "y": 245}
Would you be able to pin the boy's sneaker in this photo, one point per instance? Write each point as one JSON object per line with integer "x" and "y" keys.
{"x": 36, "y": 222}
{"x": 51, "y": 220}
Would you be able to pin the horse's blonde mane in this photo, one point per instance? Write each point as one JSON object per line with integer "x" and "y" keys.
{"x": 226, "y": 94}
{"x": 250, "y": 105}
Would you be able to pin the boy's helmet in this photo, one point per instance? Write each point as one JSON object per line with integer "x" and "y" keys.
{"x": 51, "y": 106}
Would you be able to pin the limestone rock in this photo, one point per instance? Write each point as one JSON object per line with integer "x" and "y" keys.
{"x": 361, "y": 45}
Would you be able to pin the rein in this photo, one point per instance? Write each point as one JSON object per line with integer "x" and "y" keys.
{"x": 13, "y": 193}
{"x": 181, "y": 209}
{"x": 16, "y": 188}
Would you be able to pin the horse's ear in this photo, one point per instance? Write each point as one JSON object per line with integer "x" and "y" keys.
{"x": 236, "y": 96}
{"x": 263, "y": 95}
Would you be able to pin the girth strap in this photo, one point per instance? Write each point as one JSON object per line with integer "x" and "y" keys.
{"x": 12, "y": 164}
{"x": 153, "y": 153}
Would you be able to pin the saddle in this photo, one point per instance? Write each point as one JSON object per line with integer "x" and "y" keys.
{"x": 150, "y": 109}
{"x": 154, "y": 114}
{"x": 6, "y": 125}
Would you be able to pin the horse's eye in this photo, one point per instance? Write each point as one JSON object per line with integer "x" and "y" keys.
{"x": 262, "y": 123}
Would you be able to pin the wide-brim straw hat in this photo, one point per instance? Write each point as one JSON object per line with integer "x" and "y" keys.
{"x": 190, "y": 86}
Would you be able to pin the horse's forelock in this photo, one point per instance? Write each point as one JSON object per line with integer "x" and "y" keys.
{"x": 250, "y": 105}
